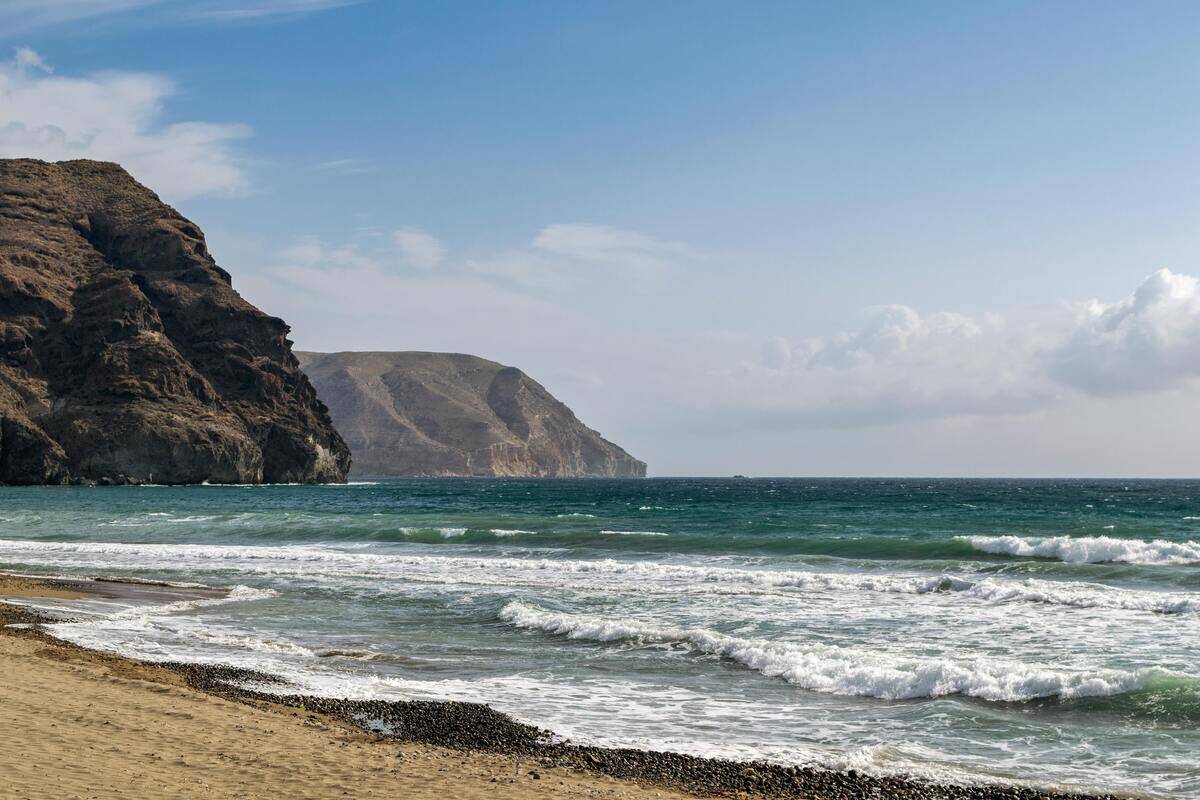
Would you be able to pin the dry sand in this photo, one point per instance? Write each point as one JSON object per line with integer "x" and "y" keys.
{"x": 77, "y": 724}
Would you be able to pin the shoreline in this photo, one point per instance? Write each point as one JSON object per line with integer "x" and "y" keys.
{"x": 474, "y": 731}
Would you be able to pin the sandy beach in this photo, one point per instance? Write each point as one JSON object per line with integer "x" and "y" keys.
{"x": 85, "y": 724}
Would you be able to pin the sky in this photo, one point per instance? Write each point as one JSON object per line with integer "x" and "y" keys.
{"x": 768, "y": 238}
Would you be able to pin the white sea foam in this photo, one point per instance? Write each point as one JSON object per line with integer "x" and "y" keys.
{"x": 145, "y": 631}
{"x": 1083, "y": 595}
{"x": 634, "y": 533}
{"x": 846, "y": 671}
{"x": 162, "y": 639}
{"x": 315, "y": 561}
{"x": 510, "y": 532}
{"x": 445, "y": 533}
{"x": 238, "y": 594}
{"x": 1089, "y": 549}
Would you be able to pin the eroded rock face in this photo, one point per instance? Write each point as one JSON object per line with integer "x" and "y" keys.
{"x": 448, "y": 414}
{"x": 125, "y": 353}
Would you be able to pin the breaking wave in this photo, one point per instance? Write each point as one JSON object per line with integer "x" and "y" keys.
{"x": 315, "y": 561}
{"x": 1089, "y": 549}
{"x": 846, "y": 671}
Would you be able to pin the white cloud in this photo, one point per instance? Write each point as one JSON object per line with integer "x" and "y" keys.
{"x": 311, "y": 252}
{"x": 418, "y": 248}
{"x": 897, "y": 391}
{"x": 28, "y": 60}
{"x": 522, "y": 269}
{"x": 412, "y": 248}
{"x": 894, "y": 333}
{"x": 562, "y": 254}
{"x": 895, "y": 365}
{"x": 900, "y": 365}
{"x": 19, "y": 17}
{"x": 1147, "y": 342}
{"x": 244, "y": 10}
{"x": 607, "y": 245}
{"x": 346, "y": 166}
{"x": 114, "y": 116}
{"x": 342, "y": 297}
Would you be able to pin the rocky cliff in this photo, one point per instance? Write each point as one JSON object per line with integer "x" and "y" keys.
{"x": 443, "y": 414}
{"x": 125, "y": 353}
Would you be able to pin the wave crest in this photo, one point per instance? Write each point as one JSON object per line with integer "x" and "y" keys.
{"x": 1089, "y": 549}
{"x": 311, "y": 561}
{"x": 844, "y": 671}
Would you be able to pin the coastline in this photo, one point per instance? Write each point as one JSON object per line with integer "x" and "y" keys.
{"x": 419, "y": 748}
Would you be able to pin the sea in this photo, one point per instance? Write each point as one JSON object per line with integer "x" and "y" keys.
{"x": 1035, "y": 631}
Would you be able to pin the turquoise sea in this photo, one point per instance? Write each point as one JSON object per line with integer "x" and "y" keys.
{"x": 1041, "y": 631}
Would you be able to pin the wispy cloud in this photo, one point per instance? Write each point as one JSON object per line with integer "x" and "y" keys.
{"x": 249, "y": 10}
{"x": 27, "y": 60}
{"x": 20, "y": 17}
{"x": 114, "y": 116}
{"x": 563, "y": 254}
{"x": 418, "y": 248}
{"x": 346, "y": 166}
{"x": 606, "y": 244}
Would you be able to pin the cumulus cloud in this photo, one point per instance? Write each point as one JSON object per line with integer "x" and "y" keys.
{"x": 900, "y": 365}
{"x": 1146, "y": 342}
{"x": 114, "y": 116}
{"x": 896, "y": 365}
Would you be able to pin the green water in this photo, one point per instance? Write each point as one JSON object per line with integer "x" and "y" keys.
{"x": 1044, "y": 631}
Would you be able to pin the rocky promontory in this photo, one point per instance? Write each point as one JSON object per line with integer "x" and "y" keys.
{"x": 126, "y": 356}
{"x": 449, "y": 414}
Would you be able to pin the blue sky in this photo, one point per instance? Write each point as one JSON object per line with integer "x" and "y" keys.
{"x": 768, "y": 238}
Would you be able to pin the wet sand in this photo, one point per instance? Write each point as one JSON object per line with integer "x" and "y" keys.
{"x": 78, "y": 723}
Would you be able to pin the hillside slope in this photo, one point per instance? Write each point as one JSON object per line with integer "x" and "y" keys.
{"x": 445, "y": 414}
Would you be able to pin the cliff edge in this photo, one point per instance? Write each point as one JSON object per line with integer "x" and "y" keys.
{"x": 448, "y": 414}
{"x": 125, "y": 354}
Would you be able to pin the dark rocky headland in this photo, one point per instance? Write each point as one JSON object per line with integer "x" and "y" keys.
{"x": 126, "y": 356}
{"x": 449, "y": 414}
